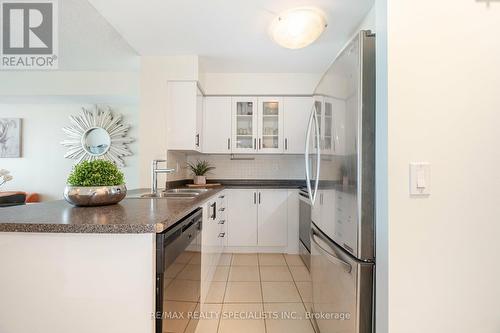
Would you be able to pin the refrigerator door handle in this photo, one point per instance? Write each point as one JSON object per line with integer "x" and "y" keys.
{"x": 329, "y": 255}
{"x": 318, "y": 155}
{"x": 306, "y": 156}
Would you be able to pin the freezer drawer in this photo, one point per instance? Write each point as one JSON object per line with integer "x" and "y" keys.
{"x": 342, "y": 288}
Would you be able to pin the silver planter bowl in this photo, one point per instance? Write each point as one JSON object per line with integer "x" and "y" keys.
{"x": 94, "y": 195}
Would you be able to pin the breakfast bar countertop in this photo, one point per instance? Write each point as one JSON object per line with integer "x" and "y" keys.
{"x": 132, "y": 216}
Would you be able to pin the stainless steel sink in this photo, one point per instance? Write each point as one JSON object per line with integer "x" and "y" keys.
{"x": 178, "y": 193}
{"x": 187, "y": 190}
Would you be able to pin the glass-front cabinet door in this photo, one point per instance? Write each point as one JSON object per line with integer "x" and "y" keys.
{"x": 319, "y": 105}
{"x": 328, "y": 135}
{"x": 244, "y": 111}
{"x": 270, "y": 139}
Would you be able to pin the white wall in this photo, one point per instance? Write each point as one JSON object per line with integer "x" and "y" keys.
{"x": 259, "y": 83}
{"x": 69, "y": 84}
{"x": 443, "y": 108}
{"x": 42, "y": 167}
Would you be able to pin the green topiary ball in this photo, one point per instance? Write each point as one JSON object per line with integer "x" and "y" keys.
{"x": 95, "y": 173}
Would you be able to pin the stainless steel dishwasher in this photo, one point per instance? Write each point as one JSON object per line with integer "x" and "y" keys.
{"x": 178, "y": 268}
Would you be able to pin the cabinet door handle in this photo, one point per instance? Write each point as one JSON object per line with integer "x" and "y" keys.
{"x": 222, "y": 234}
{"x": 222, "y": 221}
{"x": 222, "y": 209}
{"x": 254, "y": 198}
{"x": 259, "y": 198}
{"x": 260, "y": 145}
{"x": 286, "y": 143}
{"x": 255, "y": 144}
{"x": 197, "y": 140}
{"x": 213, "y": 216}
{"x": 228, "y": 143}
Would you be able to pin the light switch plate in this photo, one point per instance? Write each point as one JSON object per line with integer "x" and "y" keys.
{"x": 420, "y": 179}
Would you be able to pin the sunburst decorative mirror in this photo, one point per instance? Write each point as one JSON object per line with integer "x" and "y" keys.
{"x": 97, "y": 134}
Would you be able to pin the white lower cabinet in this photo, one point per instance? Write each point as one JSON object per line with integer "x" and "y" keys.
{"x": 222, "y": 219}
{"x": 242, "y": 216}
{"x": 209, "y": 235}
{"x": 213, "y": 239}
{"x": 257, "y": 217}
{"x": 272, "y": 217}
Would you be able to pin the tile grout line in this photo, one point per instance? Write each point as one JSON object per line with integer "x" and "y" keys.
{"x": 225, "y": 290}
{"x": 296, "y": 287}
{"x": 261, "y": 290}
{"x": 300, "y": 295}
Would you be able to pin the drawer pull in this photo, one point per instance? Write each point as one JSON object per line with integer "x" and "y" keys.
{"x": 222, "y": 234}
{"x": 222, "y": 221}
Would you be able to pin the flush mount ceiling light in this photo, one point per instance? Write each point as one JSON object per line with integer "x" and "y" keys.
{"x": 298, "y": 27}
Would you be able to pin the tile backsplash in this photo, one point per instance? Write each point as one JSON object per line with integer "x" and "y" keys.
{"x": 258, "y": 167}
{"x": 177, "y": 160}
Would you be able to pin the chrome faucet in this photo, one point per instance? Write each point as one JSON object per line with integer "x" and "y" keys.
{"x": 154, "y": 174}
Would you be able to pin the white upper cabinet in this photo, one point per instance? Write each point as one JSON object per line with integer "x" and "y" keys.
{"x": 330, "y": 111}
{"x": 319, "y": 105}
{"x": 270, "y": 125}
{"x": 328, "y": 135}
{"x": 184, "y": 116}
{"x": 199, "y": 119}
{"x": 333, "y": 125}
{"x": 339, "y": 126}
{"x": 296, "y": 116}
{"x": 251, "y": 125}
{"x": 244, "y": 125}
{"x": 217, "y": 125}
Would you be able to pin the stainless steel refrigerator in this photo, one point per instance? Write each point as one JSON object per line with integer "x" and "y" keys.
{"x": 340, "y": 174}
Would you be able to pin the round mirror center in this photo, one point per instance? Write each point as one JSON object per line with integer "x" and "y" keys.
{"x": 96, "y": 141}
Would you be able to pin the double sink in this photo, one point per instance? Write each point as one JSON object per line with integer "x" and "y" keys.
{"x": 178, "y": 193}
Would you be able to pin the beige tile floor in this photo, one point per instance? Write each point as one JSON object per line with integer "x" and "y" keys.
{"x": 254, "y": 293}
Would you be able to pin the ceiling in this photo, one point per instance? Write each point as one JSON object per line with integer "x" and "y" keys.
{"x": 87, "y": 42}
{"x": 230, "y": 35}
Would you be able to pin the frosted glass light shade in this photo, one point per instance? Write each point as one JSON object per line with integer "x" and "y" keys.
{"x": 297, "y": 28}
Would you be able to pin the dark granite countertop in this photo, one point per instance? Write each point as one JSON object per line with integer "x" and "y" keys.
{"x": 129, "y": 216}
